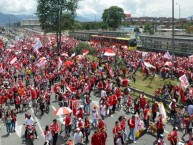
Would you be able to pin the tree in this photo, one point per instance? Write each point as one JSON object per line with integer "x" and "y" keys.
{"x": 82, "y": 46}
{"x": 136, "y": 30}
{"x": 148, "y": 28}
{"x": 113, "y": 16}
{"x": 56, "y": 15}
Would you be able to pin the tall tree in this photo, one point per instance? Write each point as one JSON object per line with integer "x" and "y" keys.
{"x": 56, "y": 15}
{"x": 113, "y": 16}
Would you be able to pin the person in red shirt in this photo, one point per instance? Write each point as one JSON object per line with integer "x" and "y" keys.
{"x": 174, "y": 136}
{"x": 131, "y": 124}
{"x": 116, "y": 128}
{"x": 103, "y": 136}
{"x": 87, "y": 129}
{"x": 54, "y": 128}
{"x": 160, "y": 126}
{"x": 114, "y": 103}
{"x": 95, "y": 139}
{"x": 146, "y": 117}
{"x": 101, "y": 124}
{"x": 68, "y": 124}
{"x": 13, "y": 121}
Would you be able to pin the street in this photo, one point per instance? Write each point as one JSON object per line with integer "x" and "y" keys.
{"x": 17, "y": 138}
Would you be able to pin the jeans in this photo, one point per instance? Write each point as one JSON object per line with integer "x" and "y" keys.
{"x": 8, "y": 127}
{"x": 55, "y": 138}
{"x": 94, "y": 123}
{"x": 87, "y": 108}
{"x": 13, "y": 126}
{"x": 131, "y": 133}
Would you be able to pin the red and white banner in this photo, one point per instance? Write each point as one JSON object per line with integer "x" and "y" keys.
{"x": 85, "y": 52}
{"x": 69, "y": 88}
{"x": 13, "y": 60}
{"x": 167, "y": 55}
{"x": 42, "y": 62}
{"x": 184, "y": 81}
{"x": 109, "y": 52}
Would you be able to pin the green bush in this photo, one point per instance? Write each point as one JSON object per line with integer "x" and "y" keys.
{"x": 82, "y": 46}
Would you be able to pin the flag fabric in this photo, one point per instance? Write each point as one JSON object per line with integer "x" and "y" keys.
{"x": 184, "y": 81}
{"x": 69, "y": 88}
{"x": 37, "y": 45}
{"x": 167, "y": 55}
{"x": 85, "y": 52}
{"x": 42, "y": 62}
{"x": 148, "y": 65}
{"x": 109, "y": 52}
{"x": 59, "y": 63}
{"x": 190, "y": 58}
{"x": 1, "y": 68}
{"x": 13, "y": 60}
{"x": 73, "y": 55}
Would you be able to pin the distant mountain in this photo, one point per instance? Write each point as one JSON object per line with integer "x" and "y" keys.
{"x": 188, "y": 18}
{"x": 10, "y": 18}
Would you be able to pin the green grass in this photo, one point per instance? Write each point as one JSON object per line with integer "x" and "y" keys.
{"x": 143, "y": 83}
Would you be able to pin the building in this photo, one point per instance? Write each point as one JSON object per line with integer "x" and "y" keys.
{"x": 29, "y": 23}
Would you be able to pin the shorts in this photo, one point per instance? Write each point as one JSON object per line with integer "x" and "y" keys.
{"x": 17, "y": 106}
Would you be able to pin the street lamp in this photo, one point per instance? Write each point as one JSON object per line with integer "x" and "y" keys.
{"x": 172, "y": 33}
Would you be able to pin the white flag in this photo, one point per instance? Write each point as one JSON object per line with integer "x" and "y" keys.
{"x": 184, "y": 81}
{"x": 167, "y": 55}
{"x": 37, "y": 45}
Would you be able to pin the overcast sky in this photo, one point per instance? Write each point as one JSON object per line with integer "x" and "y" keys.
{"x": 157, "y": 8}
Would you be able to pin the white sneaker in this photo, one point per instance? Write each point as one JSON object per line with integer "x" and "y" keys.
{"x": 134, "y": 142}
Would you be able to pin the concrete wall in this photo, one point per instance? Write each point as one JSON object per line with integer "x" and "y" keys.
{"x": 30, "y": 22}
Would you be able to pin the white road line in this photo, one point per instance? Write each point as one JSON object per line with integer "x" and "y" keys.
{"x": 166, "y": 131}
{"x": 38, "y": 123}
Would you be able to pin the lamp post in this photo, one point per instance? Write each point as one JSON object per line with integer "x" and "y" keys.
{"x": 172, "y": 33}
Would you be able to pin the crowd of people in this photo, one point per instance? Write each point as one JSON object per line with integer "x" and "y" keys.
{"x": 31, "y": 76}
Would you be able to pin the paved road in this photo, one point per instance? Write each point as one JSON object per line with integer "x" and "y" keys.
{"x": 17, "y": 138}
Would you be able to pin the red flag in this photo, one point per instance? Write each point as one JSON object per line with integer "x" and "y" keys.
{"x": 85, "y": 52}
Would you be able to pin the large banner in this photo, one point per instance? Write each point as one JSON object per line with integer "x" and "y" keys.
{"x": 162, "y": 111}
{"x": 139, "y": 126}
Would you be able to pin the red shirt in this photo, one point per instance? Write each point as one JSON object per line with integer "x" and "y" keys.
{"x": 67, "y": 120}
{"x": 95, "y": 139}
{"x": 101, "y": 124}
{"x": 131, "y": 123}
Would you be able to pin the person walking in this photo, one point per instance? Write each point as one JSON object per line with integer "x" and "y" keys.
{"x": 131, "y": 124}
{"x": 78, "y": 137}
{"x": 47, "y": 136}
{"x": 13, "y": 121}
{"x": 54, "y": 128}
{"x": 160, "y": 126}
{"x": 7, "y": 121}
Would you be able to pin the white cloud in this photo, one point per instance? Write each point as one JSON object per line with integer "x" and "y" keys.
{"x": 158, "y": 8}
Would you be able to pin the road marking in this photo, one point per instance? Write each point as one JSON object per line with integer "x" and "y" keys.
{"x": 18, "y": 129}
{"x": 35, "y": 118}
{"x": 60, "y": 116}
{"x": 166, "y": 131}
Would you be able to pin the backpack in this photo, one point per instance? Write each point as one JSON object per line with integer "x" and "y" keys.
{"x": 169, "y": 136}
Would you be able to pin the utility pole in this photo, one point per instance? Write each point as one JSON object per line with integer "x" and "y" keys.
{"x": 173, "y": 33}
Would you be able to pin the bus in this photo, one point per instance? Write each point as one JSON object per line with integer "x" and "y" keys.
{"x": 131, "y": 43}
